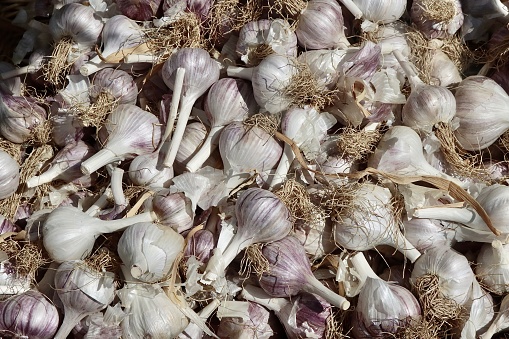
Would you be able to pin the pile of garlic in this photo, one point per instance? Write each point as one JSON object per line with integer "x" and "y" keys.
{"x": 255, "y": 169}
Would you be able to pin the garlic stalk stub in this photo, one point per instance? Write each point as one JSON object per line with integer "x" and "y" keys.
{"x": 83, "y": 291}
{"x": 9, "y": 175}
{"x": 131, "y": 131}
{"x": 28, "y": 315}
{"x": 290, "y": 273}
{"x": 149, "y": 250}
{"x": 201, "y": 71}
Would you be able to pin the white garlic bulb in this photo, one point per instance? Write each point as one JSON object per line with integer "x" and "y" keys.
{"x": 380, "y": 11}
{"x": 9, "y": 175}
{"x": 493, "y": 266}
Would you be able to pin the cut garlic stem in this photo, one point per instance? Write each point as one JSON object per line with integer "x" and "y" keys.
{"x": 100, "y": 159}
{"x": 116, "y": 186}
{"x": 20, "y": 71}
{"x": 94, "y": 65}
{"x": 404, "y": 246}
{"x": 136, "y": 58}
{"x": 240, "y": 72}
{"x": 206, "y": 149}
{"x": 184, "y": 114}
{"x": 259, "y": 296}
{"x": 71, "y": 319}
{"x": 100, "y": 203}
{"x": 52, "y": 172}
{"x": 315, "y": 286}
{"x": 409, "y": 69}
{"x": 353, "y": 8}
{"x": 282, "y": 169}
{"x": 460, "y": 215}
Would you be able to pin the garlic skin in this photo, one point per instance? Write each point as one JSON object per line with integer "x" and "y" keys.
{"x": 77, "y": 21}
{"x": 173, "y": 210}
{"x": 9, "y": 175}
{"x": 82, "y": 291}
{"x": 116, "y": 84}
{"x": 149, "y": 250}
{"x": 144, "y": 171}
{"x": 437, "y": 19}
{"x": 29, "y": 315}
{"x": 427, "y": 233}
{"x": 151, "y": 314}
{"x": 384, "y": 308}
{"x": 254, "y": 324}
{"x": 325, "y": 65}
{"x": 131, "y": 131}
{"x": 141, "y": 10}
{"x": 455, "y": 276}
{"x": 379, "y": 11}
{"x": 275, "y": 34}
{"x": 481, "y": 112}
{"x": 481, "y": 312}
{"x": 443, "y": 70}
{"x": 194, "y": 135}
{"x": 200, "y": 245}
{"x": 19, "y": 117}
{"x": 493, "y": 267}
{"x": 321, "y": 26}
{"x": 500, "y": 322}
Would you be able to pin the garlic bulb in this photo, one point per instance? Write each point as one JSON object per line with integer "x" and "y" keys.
{"x": 20, "y": 117}
{"x": 194, "y": 135}
{"x": 384, "y": 308}
{"x": 131, "y": 131}
{"x": 82, "y": 291}
{"x": 320, "y": 26}
{"x": 437, "y": 19}
{"x": 325, "y": 65}
{"x": 66, "y": 166}
{"x": 9, "y": 175}
{"x": 200, "y": 245}
{"x": 290, "y": 273}
{"x": 151, "y": 314}
{"x": 454, "y": 274}
{"x": 145, "y": 171}
{"x": 481, "y": 113}
{"x": 113, "y": 85}
{"x": 379, "y": 11}
{"x": 443, "y": 71}
{"x": 173, "y": 210}
{"x": 427, "y": 233}
{"x": 500, "y": 322}
{"x": 481, "y": 313}
{"x": 370, "y": 222}
{"x": 493, "y": 267}
{"x": 149, "y": 250}
{"x": 139, "y": 10}
{"x": 253, "y": 323}
{"x": 265, "y": 36}
{"x": 28, "y": 315}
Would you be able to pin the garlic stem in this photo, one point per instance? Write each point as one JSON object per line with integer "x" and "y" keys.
{"x": 71, "y": 319}
{"x": 240, "y": 72}
{"x": 234, "y": 248}
{"x": 362, "y": 267}
{"x": 100, "y": 203}
{"x": 136, "y": 58}
{"x": 282, "y": 169}
{"x": 353, "y": 8}
{"x": 185, "y": 111}
{"x": 408, "y": 68}
{"x": 116, "y": 186}
{"x": 19, "y": 71}
{"x": 257, "y": 295}
{"x": 94, "y": 65}
{"x": 52, "y": 172}
{"x": 405, "y": 247}
{"x": 111, "y": 226}
{"x": 174, "y": 105}
{"x": 492, "y": 330}
{"x": 206, "y": 149}
{"x": 46, "y": 284}
{"x": 315, "y": 286}
{"x": 460, "y": 215}
{"x": 98, "y": 160}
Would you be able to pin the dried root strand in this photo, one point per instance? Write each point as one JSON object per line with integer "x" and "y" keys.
{"x": 14, "y": 150}
{"x": 254, "y": 260}
{"x": 334, "y": 199}
{"x": 26, "y": 257}
{"x": 421, "y": 329}
{"x": 9, "y": 206}
{"x": 356, "y": 145}
{"x": 463, "y": 163}
{"x": 95, "y": 115}
{"x": 304, "y": 89}
{"x": 287, "y": 9}
{"x": 59, "y": 64}
{"x": 186, "y": 31}
{"x": 268, "y": 122}
{"x": 439, "y": 10}
{"x": 103, "y": 260}
{"x": 335, "y": 325}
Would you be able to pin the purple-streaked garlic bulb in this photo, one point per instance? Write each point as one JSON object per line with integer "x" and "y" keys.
{"x": 244, "y": 149}
{"x": 28, "y": 315}
{"x": 7, "y": 226}
{"x": 370, "y": 222}
{"x": 141, "y": 10}
{"x": 427, "y": 233}
{"x": 82, "y": 291}
{"x": 113, "y": 85}
{"x": 290, "y": 273}
{"x": 66, "y": 166}
{"x": 270, "y": 79}
{"x": 145, "y": 171}
{"x": 194, "y": 136}
{"x": 9, "y": 175}
{"x": 173, "y": 210}
{"x": 325, "y": 64}
{"x": 384, "y": 308}
{"x": 253, "y": 325}
{"x": 119, "y": 33}
{"x": 200, "y": 244}
{"x": 200, "y": 7}
{"x": 201, "y": 71}
{"x": 20, "y": 117}
{"x": 379, "y": 11}
{"x": 131, "y": 131}
{"x": 149, "y": 250}
{"x": 437, "y": 19}
{"x": 228, "y": 100}
{"x": 321, "y": 26}
{"x": 262, "y": 37}
{"x": 481, "y": 112}
{"x": 261, "y": 217}
{"x": 10, "y": 83}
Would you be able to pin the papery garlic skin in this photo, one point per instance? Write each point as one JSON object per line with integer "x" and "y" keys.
{"x": 254, "y": 324}
{"x": 194, "y": 135}
{"x": 384, "y": 308}
{"x": 9, "y": 175}
{"x": 427, "y": 233}
{"x": 325, "y": 65}
{"x": 426, "y": 16}
{"x": 144, "y": 171}
{"x": 173, "y": 210}
{"x": 19, "y": 117}
{"x": 149, "y": 250}
{"x": 141, "y": 10}
{"x": 443, "y": 70}
{"x": 151, "y": 314}
{"x": 481, "y": 112}
{"x": 493, "y": 267}
{"x": 117, "y": 84}
{"x": 379, "y": 11}
{"x": 481, "y": 314}
{"x": 29, "y": 315}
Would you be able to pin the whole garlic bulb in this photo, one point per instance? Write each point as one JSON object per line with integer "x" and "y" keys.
{"x": 380, "y": 11}
{"x": 437, "y": 19}
{"x": 9, "y": 175}
{"x": 493, "y": 266}
{"x": 19, "y": 117}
